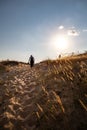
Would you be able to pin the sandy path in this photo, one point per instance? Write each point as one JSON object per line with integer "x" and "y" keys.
{"x": 17, "y": 104}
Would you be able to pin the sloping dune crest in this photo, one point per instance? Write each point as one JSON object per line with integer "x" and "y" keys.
{"x": 50, "y": 96}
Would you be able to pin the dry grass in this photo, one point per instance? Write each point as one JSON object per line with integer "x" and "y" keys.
{"x": 66, "y": 80}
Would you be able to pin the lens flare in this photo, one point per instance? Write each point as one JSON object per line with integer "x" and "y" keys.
{"x": 60, "y": 42}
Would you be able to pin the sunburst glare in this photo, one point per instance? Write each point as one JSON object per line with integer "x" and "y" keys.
{"x": 60, "y": 41}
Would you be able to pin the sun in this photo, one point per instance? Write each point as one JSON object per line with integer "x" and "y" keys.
{"x": 60, "y": 41}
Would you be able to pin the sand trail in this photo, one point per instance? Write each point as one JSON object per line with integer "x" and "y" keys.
{"x": 19, "y": 92}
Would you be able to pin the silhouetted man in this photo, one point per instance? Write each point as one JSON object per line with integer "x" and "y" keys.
{"x": 31, "y": 61}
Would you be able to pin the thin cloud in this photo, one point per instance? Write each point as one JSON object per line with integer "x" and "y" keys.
{"x": 84, "y": 30}
{"x": 73, "y": 32}
{"x": 61, "y": 27}
{"x": 73, "y": 27}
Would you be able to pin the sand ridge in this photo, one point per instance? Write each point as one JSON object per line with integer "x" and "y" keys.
{"x": 48, "y": 96}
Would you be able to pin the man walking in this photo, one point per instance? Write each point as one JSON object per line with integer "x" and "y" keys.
{"x": 31, "y": 61}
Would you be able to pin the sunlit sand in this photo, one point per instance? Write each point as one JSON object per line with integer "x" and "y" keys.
{"x": 50, "y": 96}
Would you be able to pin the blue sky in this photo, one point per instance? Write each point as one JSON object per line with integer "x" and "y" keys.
{"x": 29, "y": 26}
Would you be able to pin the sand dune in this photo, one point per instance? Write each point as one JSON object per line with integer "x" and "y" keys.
{"x": 50, "y": 96}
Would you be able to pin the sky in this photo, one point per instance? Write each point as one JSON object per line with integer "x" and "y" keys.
{"x": 43, "y": 28}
